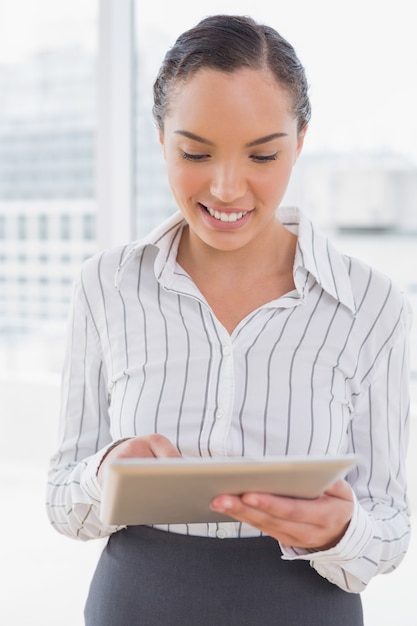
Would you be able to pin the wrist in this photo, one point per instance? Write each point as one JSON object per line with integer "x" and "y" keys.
{"x": 109, "y": 449}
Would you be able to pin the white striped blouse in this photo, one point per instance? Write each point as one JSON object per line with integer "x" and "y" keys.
{"x": 321, "y": 370}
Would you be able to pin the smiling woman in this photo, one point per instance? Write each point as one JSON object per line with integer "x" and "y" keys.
{"x": 49, "y": 79}
{"x": 251, "y": 336}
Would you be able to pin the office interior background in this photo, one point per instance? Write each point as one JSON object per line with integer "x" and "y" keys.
{"x": 81, "y": 169}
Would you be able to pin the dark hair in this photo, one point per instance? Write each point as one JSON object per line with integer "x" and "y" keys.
{"x": 228, "y": 43}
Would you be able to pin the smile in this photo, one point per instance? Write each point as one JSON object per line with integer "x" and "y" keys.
{"x": 225, "y": 217}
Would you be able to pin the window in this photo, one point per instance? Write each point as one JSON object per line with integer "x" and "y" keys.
{"x": 43, "y": 227}
{"x": 21, "y": 226}
{"x": 89, "y": 226}
{"x": 73, "y": 181}
{"x": 65, "y": 227}
{"x": 48, "y": 131}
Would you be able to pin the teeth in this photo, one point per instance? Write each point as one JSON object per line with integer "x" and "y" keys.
{"x": 226, "y": 217}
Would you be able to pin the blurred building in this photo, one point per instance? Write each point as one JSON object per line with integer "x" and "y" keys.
{"x": 48, "y": 126}
{"x": 47, "y": 184}
{"x": 371, "y": 192}
{"x": 42, "y": 245}
{"x": 48, "y": 140}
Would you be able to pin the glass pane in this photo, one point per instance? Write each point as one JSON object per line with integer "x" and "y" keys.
{"x": 47, "y": 162}
{"x": 48, "y": 57}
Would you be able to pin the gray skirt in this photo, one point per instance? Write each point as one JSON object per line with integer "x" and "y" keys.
{"x": 148, "y": 577}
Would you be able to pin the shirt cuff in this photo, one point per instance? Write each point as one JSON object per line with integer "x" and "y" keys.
{"x": 92, "y": 488}
{"x": 351, "y": 546}
{"x": 89, "y": 480}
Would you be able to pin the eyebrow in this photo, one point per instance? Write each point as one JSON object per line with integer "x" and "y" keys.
{"x": 256, "y": 142}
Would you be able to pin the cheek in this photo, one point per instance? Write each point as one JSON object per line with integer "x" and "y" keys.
{"x": 184, "y": 181}
{"x": 273, "y": 186}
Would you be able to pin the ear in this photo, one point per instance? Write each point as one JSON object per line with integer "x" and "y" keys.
{"x": 300, "y": 141}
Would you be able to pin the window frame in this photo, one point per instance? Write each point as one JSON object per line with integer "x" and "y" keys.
{"x": 115, "y": 135}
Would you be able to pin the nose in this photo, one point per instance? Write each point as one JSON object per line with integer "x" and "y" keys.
{"x": 228, "y": 181}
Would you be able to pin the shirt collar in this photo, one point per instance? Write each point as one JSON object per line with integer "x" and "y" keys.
{"x": 164, "y": 238}
{"x": 316, "y": 258}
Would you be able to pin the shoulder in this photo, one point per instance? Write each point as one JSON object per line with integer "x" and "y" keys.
{"x": 379, "y": 300}
{"x": 367, "y": 281}
{"x": 102, "y": 268}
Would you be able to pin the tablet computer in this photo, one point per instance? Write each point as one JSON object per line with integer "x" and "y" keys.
{"x": 179, "y": 490}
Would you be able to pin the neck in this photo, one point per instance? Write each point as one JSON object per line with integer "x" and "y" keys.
{"x": 271, "y": 253}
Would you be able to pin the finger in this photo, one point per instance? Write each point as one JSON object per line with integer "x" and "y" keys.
{"x": 162, "y": 447}
{"x": 278, "y": 506}
{"x": 154, "y": 445}
{"x": 254, "y": 503}
{"x": 340, "y": 489}
{"x": 150, "y": 446}
{"x": 314, "y": 524}
{"x": 298, "y": 518}
{"x": 236, "y": 508}
{"x": 290, "y": 533}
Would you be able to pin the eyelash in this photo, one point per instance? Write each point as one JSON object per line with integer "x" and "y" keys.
{"x": 265, "y": 159}
{"x": 200, "y": 157}
{"x": 193, "y": 157}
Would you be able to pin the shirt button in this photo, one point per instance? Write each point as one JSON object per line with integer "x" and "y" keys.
{"x": 221, "y": 533}
{"x": 226, "y": 350}
{"x": 219, "y": 414}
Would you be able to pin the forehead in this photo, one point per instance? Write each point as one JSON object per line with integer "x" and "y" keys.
{"x": 216, "y": 99}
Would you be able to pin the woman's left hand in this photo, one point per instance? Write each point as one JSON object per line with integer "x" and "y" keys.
{"x": 317, "y": 524}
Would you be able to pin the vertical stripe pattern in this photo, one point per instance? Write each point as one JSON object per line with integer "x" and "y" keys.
{"x": 321, "y": 370}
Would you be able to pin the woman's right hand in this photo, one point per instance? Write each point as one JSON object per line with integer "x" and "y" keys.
{"x": 138, "y": 447}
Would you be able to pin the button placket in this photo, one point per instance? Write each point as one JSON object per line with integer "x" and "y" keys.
{"x": 219, "y": 414}
{"x": 225, "y": 399}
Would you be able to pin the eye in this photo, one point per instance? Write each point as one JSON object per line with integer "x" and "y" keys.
{"x": 264, "y": 158}
{"x": 194, "y": 157}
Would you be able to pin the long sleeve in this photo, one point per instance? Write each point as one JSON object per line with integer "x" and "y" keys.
{"x": 73, "y": 495}
{"x": 379, "y": 533}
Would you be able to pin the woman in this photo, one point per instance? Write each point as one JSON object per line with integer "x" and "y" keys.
{"x": 236, "y": 329}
